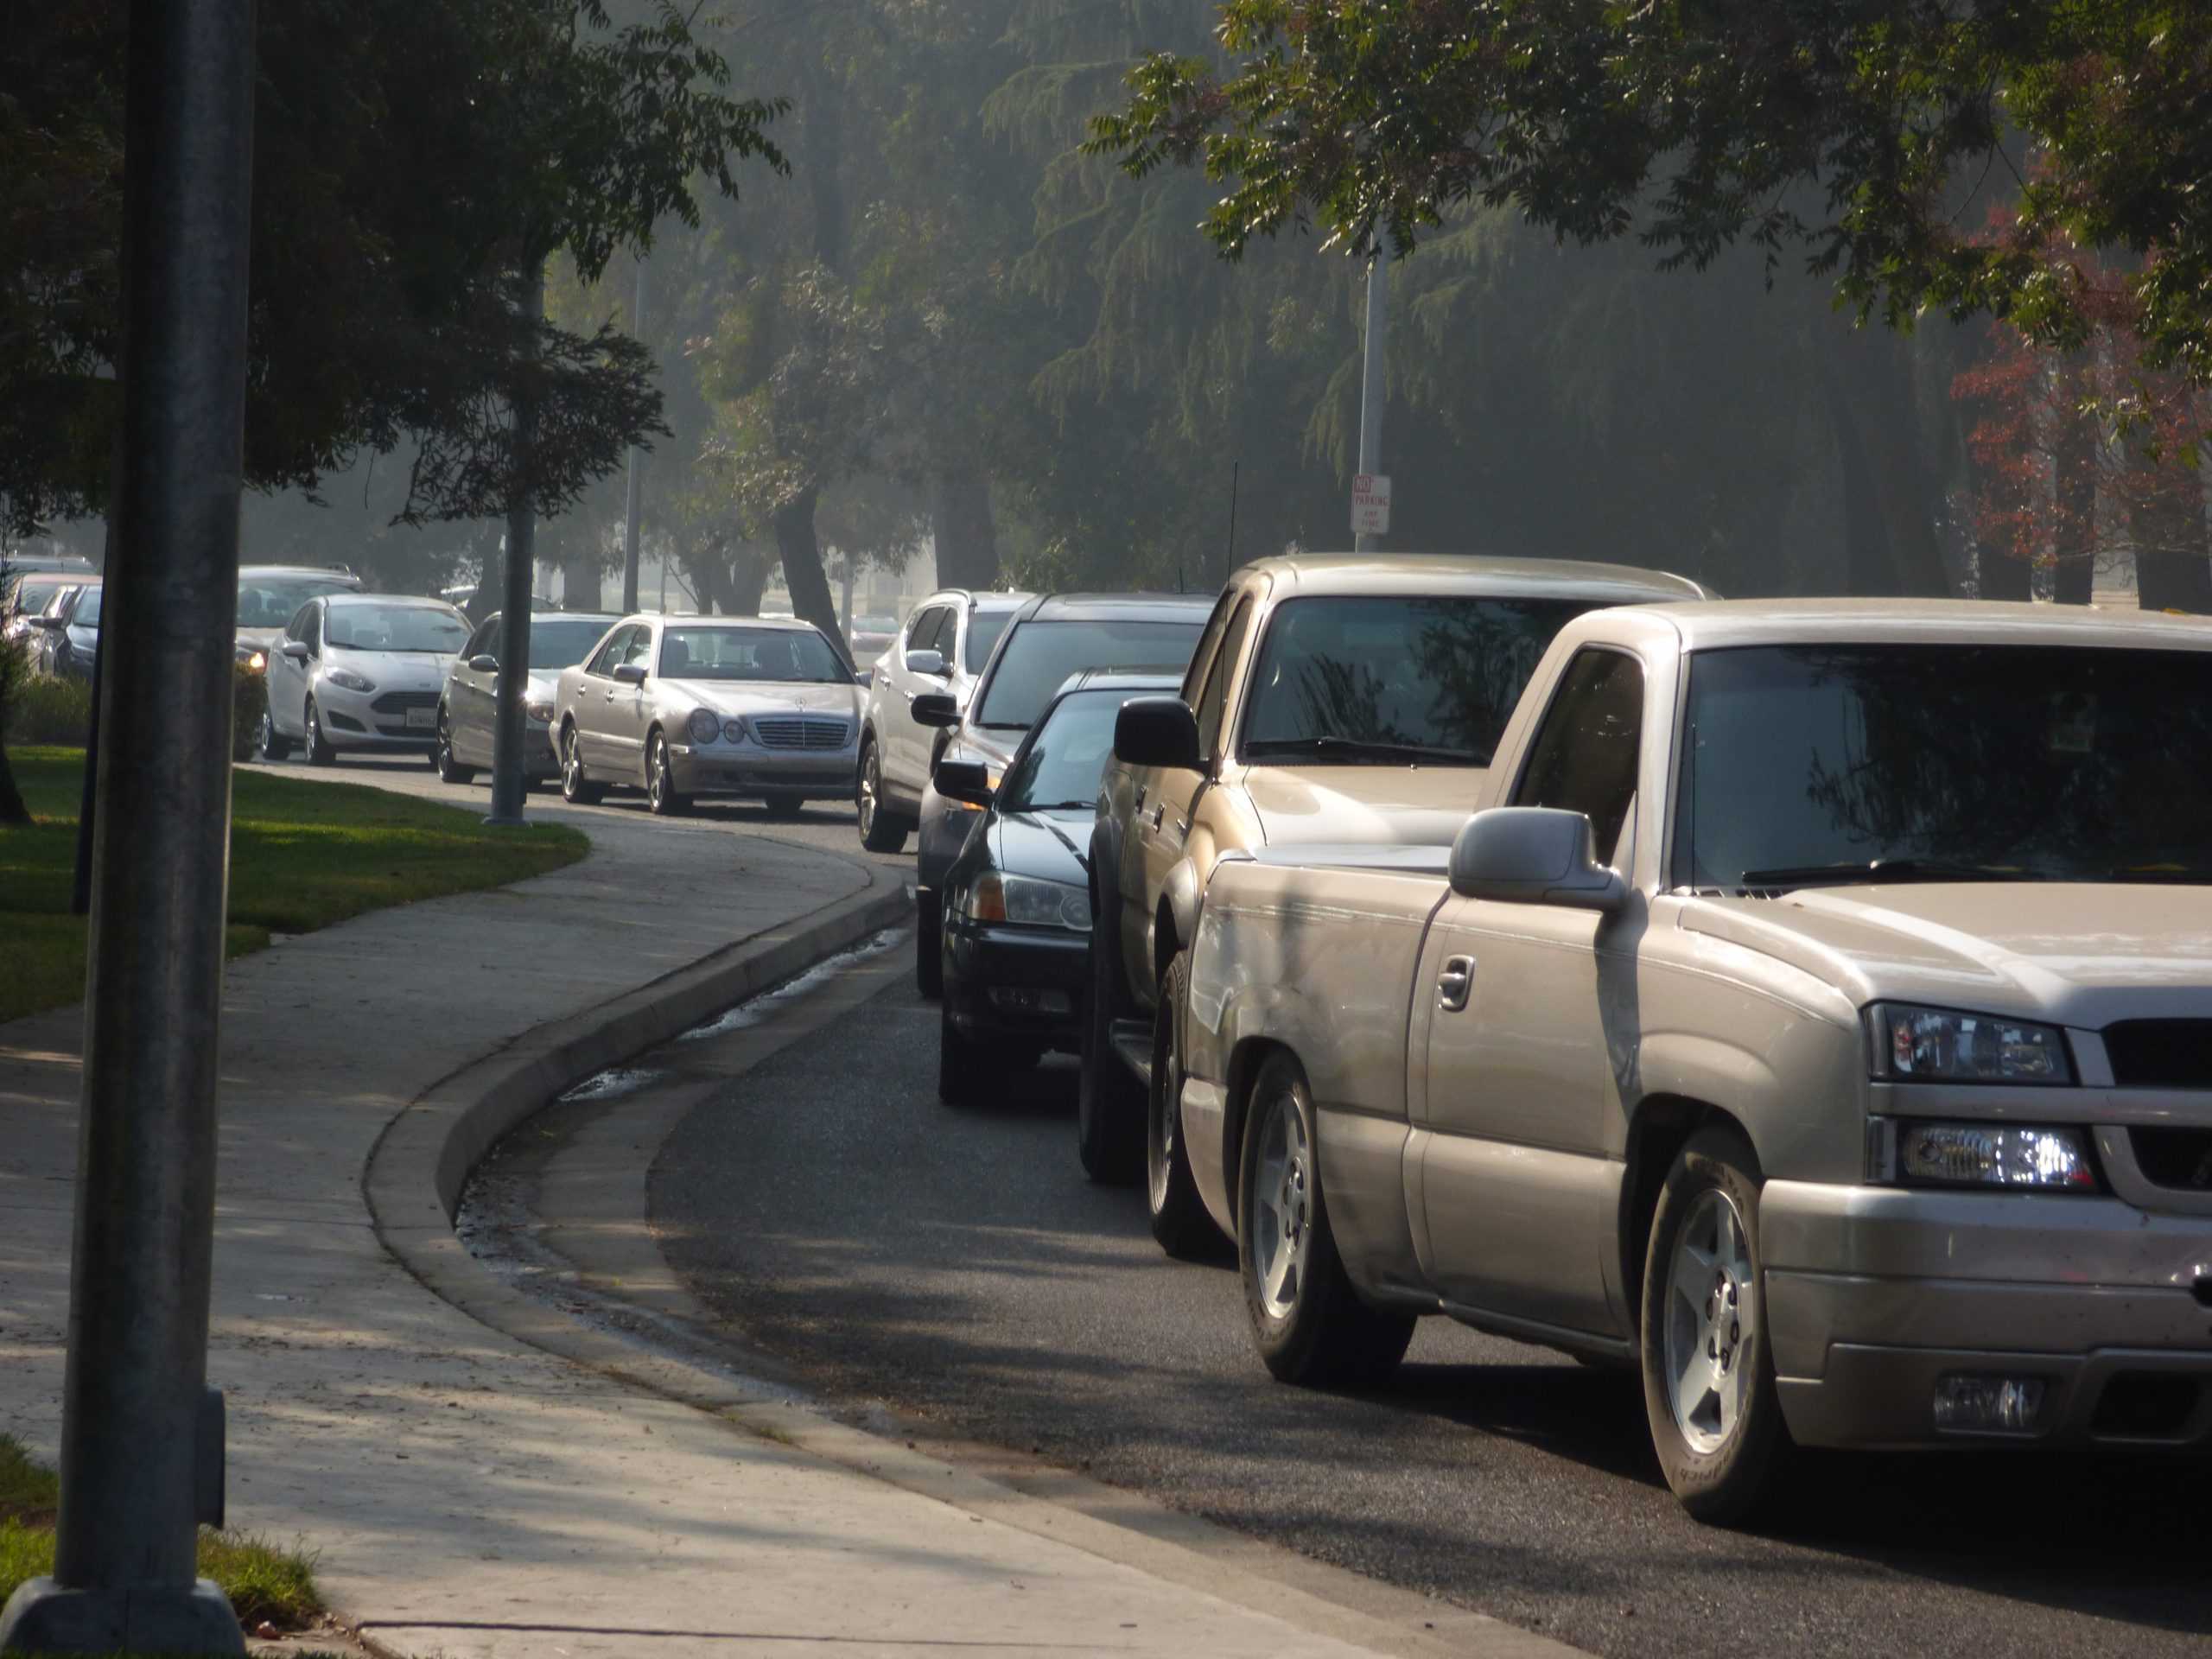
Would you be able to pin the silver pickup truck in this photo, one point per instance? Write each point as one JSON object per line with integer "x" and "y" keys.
{"x": 1817, "y": 1018}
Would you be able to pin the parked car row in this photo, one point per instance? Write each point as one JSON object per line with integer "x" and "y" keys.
{"x": 1806, "y": 1005}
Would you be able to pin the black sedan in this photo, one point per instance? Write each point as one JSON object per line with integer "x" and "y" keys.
{"x": 1016, "y": 935}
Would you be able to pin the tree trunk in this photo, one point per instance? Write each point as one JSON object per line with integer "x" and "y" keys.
{"x": 1890, "y": 497}
{"x": 2172, "y": 569}
{"x": 748, "y": 579}
{"x": 803, "y": 573}
{"x": 13, "y": 812}
{"x": 2002, "y": 576}
{"x": 2074, "y": 540}
{"x": 967, "y": 537}
{"x": 580, "y": 581}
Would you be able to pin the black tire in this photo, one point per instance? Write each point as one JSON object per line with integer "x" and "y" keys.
{"x": 1179, "y": 1221}
{"x": 968, "y": 1073}
{"x": 929, "y": 942}
{"x": 1726, "y": 1480}
{"x": 1312, "y": 1329}
{"x": 577, "y": 789}
{"x": 270, "y": 743}
{"x": 663, "y": 799}
{"x": 449, "y": 770}
{"x": 880, "y": 831}
{"x": 784, "y": 803}
{"x": 319, "y": 752}
{"x": 1110, "y": 1109}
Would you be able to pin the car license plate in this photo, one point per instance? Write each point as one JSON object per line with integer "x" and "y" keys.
{"x": 426, "y": 719}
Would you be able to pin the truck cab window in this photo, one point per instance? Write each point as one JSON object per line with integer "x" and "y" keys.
{"x": 1584, "y": 755}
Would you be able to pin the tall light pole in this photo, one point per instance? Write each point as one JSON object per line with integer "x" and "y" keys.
{"x": 1373, "y": 387}
{"x": 140, "y": 1467}
{"x": 630, "y": 488}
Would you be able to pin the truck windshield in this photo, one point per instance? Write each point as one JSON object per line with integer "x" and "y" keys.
{"x": 1813, "y": 764}
{"x": 1379, "y": 681}
{"x": 1041, "y": 655}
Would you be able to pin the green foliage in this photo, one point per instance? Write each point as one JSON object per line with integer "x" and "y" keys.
{"x": 249, "y": 698}
{"x": 44, "y": 710}
{"x": 1857, "y": 136}
{"x": 410, "y": 163}
{"x": 303, "y": 856}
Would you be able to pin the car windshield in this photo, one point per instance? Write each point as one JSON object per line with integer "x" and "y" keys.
{"x": 562, "y": 641}
{"x": 395, "y": 627}
{"x": 271, "y": 601}
{"x": 984, "y": 628}
{"x": 1063, "y": 759}
{"x": 1374, "y": 680}
{"x": 780, "y": 654}
{"x": 1811, "y": 763}
{"x": 1041, "y": 655}
{"x": 87, "y": 614}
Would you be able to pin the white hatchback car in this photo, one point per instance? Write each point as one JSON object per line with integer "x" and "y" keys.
{"x": 360, "y": 671}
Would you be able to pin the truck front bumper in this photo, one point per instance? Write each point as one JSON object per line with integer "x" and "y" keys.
{"x": 1875, "y": 1295}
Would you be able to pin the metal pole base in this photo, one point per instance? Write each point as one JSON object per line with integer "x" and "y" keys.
{"x": 503, "y": 821}
{"x": 42, "y": 1617}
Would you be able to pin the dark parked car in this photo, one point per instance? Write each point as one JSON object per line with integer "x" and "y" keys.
{"x": 70, "y": 631}
{"x": 1048, "y": 640}
{"x": 1017, "y": 902}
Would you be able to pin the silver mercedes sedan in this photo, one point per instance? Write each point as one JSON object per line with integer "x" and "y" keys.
{"x": 684, "y": 706}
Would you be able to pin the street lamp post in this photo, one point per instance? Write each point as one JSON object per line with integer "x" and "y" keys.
{"x": 508, "y": 729}
{"x": 630, "y": 485}
{"x": 1373, "y": 380}
{"x": 139, "y": 1468}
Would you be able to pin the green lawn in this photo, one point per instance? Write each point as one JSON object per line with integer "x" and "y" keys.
{"x": 262, "y": 1581}
{"x": 302, "y": 856}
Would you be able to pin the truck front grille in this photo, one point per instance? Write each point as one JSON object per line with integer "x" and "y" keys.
{"x": 2160, "y": 1053}
{"x": 2175, "y": 1158}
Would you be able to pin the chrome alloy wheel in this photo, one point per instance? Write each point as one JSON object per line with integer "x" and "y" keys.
{"x": 656, "y": 778}
{"x": 1712, "y": 1305}
{"x": 864, "y": 792}
{"x": 1283, "y": 1197}
{"x": 572, "y": 764}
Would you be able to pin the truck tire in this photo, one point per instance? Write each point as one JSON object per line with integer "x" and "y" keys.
{"x": 1179, "y": 1221}
{"x": 1310, "y": 1325}
{"x": 1708, "y": 1369}
{"x": 1109, "y": 1104}
{"x": 882, "y": 830}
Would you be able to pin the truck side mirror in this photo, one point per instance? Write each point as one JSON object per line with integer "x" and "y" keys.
{"x": 1157, "y": 732}
{"x": 962, "y": 780}
{"x": 936, "y": 708}
{"x": 1533, "y": 855}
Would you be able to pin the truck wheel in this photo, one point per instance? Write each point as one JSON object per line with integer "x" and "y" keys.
{"x": 1179, "y": 1221}
{"x": 1708, "y": 1371}
{"x": 967, "y": 1074}
{"x": 1110, "y": 1105}
{"x": 929, "y": 943}
{"x": 882, "y": 831}
{"x": 1309, "y": 1324}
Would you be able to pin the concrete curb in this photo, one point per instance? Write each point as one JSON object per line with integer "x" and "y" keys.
{"x": 415, "y": 1170}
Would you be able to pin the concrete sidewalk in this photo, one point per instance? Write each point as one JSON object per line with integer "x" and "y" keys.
{"x": 471, "y": 1494}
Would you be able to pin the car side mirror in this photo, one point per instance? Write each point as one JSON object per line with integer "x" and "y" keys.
{"x": 936, "y": 708}
{"x": 630, "y": 673}
{"x": 483, "y": 663}
{"x": 930, "y": 664}
{"x": 864, "y": 676}
{"x": 1157, "y": 732}
{"x": 962, "y": 780}
{"x": 1533, "y": 855}
{"x": 296, "y": 650}
{"x": 46, "y": 622}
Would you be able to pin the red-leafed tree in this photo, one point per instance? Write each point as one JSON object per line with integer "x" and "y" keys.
{"x": 2080, "y": 453}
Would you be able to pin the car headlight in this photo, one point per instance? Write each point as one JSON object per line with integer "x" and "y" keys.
{"x": 1027, "y": 901}
{"x": 350, "y": 680}
{"x": 1917, "y": 1044}
{"x": 540, "y": 712}
{"x": 2023, "y": 1157}
{"x": 734, "y": 731}
{"x": 254, "y": 662}
{"x": 705, "y": 726}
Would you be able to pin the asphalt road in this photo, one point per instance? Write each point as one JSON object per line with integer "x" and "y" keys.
{"x": 956, "y": 1264}
{"x": 827, "y": 824}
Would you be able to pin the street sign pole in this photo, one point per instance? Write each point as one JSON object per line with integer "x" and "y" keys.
{"x": 629, "y": 487}
{"x": 1373, "y": 380}
{"x": 139, "y": 1468}
{"x": 519, "y": 576}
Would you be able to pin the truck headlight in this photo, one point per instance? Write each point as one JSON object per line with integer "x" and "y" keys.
{"x": 705, "y": 726}
{"x": 1024, "y": 899}
{"x": 1917, "y": 1044}
{"x": 2022, "y": 1157}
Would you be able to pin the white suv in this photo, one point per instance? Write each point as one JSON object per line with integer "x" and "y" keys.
{"x": 942, "y": 648}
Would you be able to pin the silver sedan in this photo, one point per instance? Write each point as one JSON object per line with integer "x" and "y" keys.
{"x": 684, "y": 706}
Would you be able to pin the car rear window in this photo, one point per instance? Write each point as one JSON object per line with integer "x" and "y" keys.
{"x": 1040, "y": 656}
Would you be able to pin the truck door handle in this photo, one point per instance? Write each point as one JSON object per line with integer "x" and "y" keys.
{"x": 1455, "y": 983}
{"x": 1157, "y": 813}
